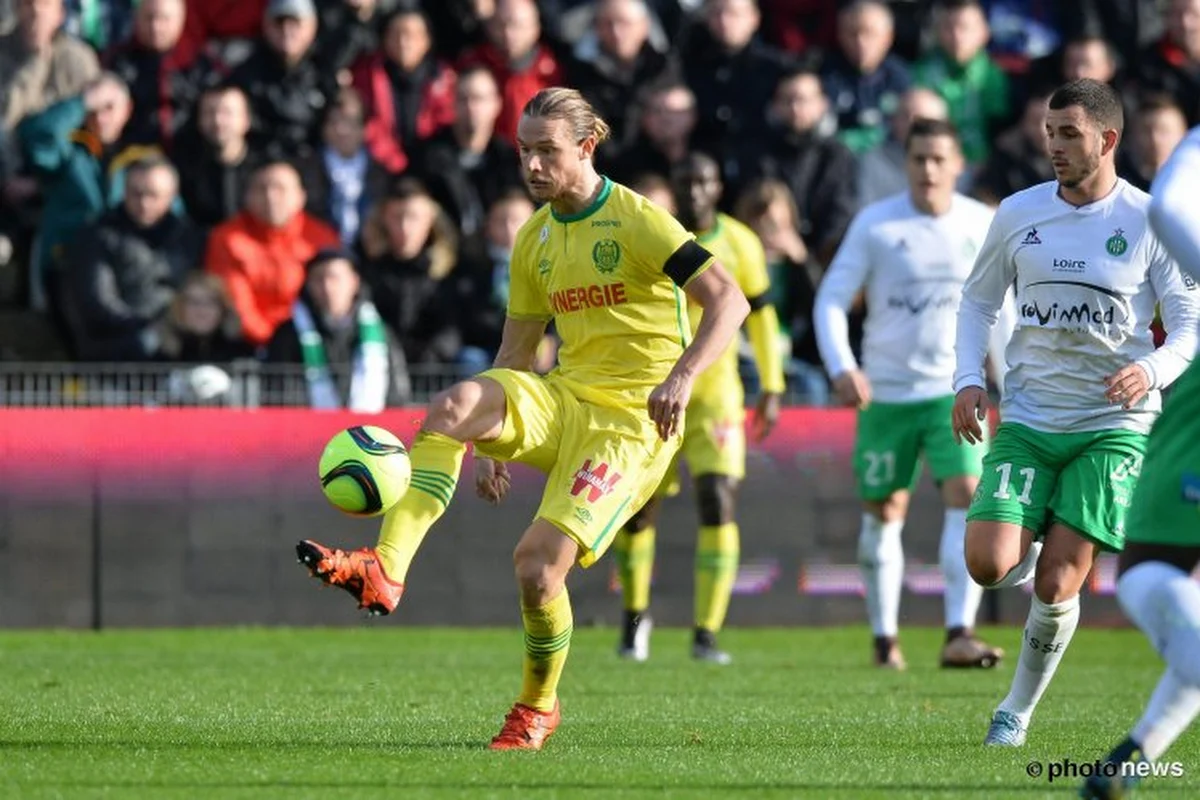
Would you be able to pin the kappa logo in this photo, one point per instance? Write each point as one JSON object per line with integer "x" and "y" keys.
{"x": 1031, "y": 237}
{"x": 597, "y": 481}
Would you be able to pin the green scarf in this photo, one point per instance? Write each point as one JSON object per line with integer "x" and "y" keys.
{"x": 369, "y": 382}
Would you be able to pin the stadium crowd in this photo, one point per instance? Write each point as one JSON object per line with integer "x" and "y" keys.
{"x": 334, "y": 183}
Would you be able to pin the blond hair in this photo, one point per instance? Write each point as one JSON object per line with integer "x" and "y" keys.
{"x": 558, "y": 102}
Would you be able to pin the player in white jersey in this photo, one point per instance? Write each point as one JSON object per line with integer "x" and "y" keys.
{"x": 912, "y": 252}
{"x": 1083, "y": 380}
{"x": 1162, "y": 546}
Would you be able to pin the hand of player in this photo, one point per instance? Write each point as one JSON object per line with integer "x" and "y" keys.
{"x": 1127, "y": 386}
{"x": 853, "y": 388}
{"x": 491, "y": 479}
{"x": 667, "y": 404}
{"x": 971, "y": 406}
{"x": 766, "y": 414}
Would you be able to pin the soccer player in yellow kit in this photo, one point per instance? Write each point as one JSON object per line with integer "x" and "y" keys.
{"x": 714, "y": 443}
{"x": 610, "y": 270}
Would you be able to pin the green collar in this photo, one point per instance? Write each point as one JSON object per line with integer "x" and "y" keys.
{"x": 601, "y": 198}
{"x": 711, "y": 233}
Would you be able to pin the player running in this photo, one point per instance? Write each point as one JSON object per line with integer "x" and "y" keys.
{"x": 912, "y": 252}
{"x": 1162, "y": 535}
{"x": 714, "y": 440}
{"x": 607, "y": 267}
{"x": 1083, "y": 381}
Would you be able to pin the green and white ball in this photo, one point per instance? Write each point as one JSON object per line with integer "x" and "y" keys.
{"x": 364, "y": 471}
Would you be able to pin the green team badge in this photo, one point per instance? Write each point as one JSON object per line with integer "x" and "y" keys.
{"x": 606, "y": 255}
{"x": 1116, "y": 244}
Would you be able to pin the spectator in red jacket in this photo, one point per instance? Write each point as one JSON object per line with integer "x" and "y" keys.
{"x": 218, "y": 19}
{"x": 262, "y": 251}
{"x": 408, "y": 93}
{"x": 521, "y": 65}
{"x": 163, "y": 89}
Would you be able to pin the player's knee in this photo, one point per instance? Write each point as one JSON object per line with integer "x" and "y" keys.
{"x": 957, "y": 492}
{"x": 984, "y": 562}
{"x": 451, "y": 409}
{"x": 983, "y": 569}
{"x": 893, "y": 508}
{"x": 537, "y": 576}
{"x": 717, "y": 499}
{"x": 1057, "y": 580}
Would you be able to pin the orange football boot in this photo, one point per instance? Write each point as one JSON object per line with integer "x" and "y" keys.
{"x": 526, "y": 728}
{"x": 357, "y": 571}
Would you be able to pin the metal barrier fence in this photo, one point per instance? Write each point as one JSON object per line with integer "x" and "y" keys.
{"x": 242, "y": 384}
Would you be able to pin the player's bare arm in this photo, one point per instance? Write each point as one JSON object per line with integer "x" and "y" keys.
{"x": 724, "y": 310}
{"x": 519, "y": 344}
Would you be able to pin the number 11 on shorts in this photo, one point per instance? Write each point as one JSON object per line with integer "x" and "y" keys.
{"x": 1003, "y": 493}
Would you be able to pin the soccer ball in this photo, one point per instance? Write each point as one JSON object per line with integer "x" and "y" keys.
{"x": 364, "y": 471}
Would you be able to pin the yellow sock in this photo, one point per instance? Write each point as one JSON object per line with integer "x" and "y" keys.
{"x": 716, "y": 569}
{"x": 547, "y": 640}
{"x": 635, "y": 564}
{"x": 436, "y": 461}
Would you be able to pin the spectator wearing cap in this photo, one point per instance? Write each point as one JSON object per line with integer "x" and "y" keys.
{"x": 261, "y": 252}
{"x": 466, "y": 167}
{"x": 863, "y": 80}
{"x": 215, "y": 172}
{"x": 412, "y": 253}
{"x": 351, "y": 358}
{"x": 611, "y": 65}
{"x": 163, "y": 88}
{"x": 287, "y": 85}
{"x": 520, "y": 63}
{"x": 77, "y": 151}
{"x": 343, "y": 181}
{"x": 732, "y": 75}
{"x": 408, "y": 92}
{"x": 962, "y": 72}
{"x": 122, "y": 272}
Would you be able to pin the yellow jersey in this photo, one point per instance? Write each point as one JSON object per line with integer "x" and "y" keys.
{"x": 741, "y": 253}
{"x": 609, "y": 277}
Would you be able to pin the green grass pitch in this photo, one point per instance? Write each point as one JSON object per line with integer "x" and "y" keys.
{"x": 405, "y": 713}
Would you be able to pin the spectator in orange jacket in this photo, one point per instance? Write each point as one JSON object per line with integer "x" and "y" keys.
{"x": 522, "y": 67}
{"x": 261, "y": 252}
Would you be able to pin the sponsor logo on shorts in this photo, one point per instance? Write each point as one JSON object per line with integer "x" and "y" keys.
{"x": 722, "y": 432}
{"x": 596, "y": 480}
{"x": 580, "y": 298}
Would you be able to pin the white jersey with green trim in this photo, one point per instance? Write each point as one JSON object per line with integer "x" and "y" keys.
{"x": 912, "y": 266}
{"x": 1088, "y": 280}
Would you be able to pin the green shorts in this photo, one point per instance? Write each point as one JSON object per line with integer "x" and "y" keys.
{"x": 1166, "y": 505}
{"x": 892, "y": 437}
{"x": 1082, "y": 480}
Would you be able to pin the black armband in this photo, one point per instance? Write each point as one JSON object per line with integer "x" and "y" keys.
{"x": 686, "y": 262}
{"x": 758, "y": 302}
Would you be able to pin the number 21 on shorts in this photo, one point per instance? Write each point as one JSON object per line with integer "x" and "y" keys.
{"x": 1004, "y": 490}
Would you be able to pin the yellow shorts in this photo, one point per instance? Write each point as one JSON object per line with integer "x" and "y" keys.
{"x": 602, "y": 463}
{"x": 714, "y": 443}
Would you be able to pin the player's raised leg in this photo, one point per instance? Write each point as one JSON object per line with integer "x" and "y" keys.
{"x": 473, "y": 410}
{"x": 542, "y": 560}
{"x": 634, "y": 552}
{"x": 717, "y": 552}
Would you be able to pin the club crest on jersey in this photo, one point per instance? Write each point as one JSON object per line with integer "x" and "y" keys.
{"x": 1116, "y": 244}
{"x": 1031, "y": 237}
{"x": 597, "y": 481}
{"x": 606, "y": 255}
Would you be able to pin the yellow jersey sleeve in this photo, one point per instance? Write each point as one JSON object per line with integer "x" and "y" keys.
{"x": 527, "y": 301}
{"x": 667, "y": 247}
{"x": 751, "y": 273}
